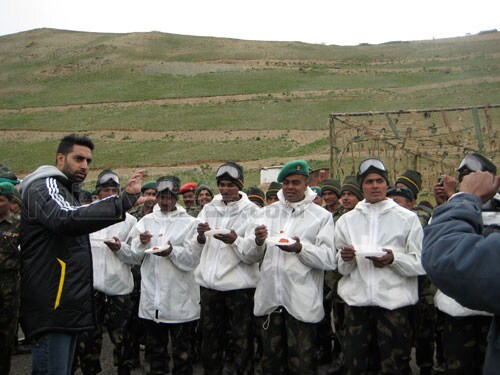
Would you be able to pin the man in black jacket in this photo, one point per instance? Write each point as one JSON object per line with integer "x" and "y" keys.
{"x": 56, "y": 264}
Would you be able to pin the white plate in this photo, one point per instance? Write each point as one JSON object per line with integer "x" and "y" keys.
{"x": 109, "y": 240}
{"x": 156, "y": 249}
{"x": 370, "y": 253}
{"x": 217, "y": 231}
{"x": 279, "y": 241}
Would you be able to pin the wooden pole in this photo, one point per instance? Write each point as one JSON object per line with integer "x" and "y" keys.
{"x": 332, "y": 145}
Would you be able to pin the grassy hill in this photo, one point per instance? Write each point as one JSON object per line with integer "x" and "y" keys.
{"x": 182, "y": 104}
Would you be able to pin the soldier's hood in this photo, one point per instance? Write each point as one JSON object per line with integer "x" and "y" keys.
{"x": 41, "y": 172}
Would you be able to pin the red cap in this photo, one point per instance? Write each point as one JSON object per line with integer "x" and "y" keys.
{"x": 188, "y": 186}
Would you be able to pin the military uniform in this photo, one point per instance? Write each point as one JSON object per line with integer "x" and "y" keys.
{"x": 378, "y": 295}
{"x": 424, "y": 315}
{"x": 9, "y": 292}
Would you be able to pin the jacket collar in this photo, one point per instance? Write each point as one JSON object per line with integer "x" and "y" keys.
{"x": 300, "y": 205}
{"x": 42, "y": 172}
{"x": 380, "y": 207}
{"x": 237, "y": 206}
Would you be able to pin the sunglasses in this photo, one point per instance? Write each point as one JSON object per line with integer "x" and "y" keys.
{"x": 371, "y": 163}
{"x": 108, "y": 177}
{"x": 230, "y": 170}
{"x": 471, "y": 163}
{"x": 172, "y": 186}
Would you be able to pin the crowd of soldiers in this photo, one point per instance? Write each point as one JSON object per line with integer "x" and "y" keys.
{"x": 237, "y": 278}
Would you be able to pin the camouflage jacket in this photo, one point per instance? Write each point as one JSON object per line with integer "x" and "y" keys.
{"x": 9, "y": 244}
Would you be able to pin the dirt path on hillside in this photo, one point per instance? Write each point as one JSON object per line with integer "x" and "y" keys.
{"x": 299, "y": 136}
{"x": 217, "y": 99}
{"x": 253, "y": 164}
{"x": 220, "y": 99}
{"x": 159, "y": 171}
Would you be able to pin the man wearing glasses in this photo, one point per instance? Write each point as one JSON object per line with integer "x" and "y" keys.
{"x": 380, "y": 247}
{"x": 226, "y": 274}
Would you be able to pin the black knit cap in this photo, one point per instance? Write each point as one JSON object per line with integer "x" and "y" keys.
{"x": 257, "y": 196}
{"x": 402, "y": 191}
{"x": 372, "y": 169}
{"x": 411, "y": 179}
{"x": 351, "y": 184}
{"x": 231, "y": 171}
{"x": 201, "y": 187}
{"x": 274, "y": 187}
{"x": 330, "y": 185}
{"x": 107, "y": 178}
{"x": 171, "y": 184}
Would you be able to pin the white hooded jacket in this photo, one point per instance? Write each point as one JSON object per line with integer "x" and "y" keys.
{"x": 447, "y": 304}
{"x": 294, "y": 281}
{"x": 223, "y": 266}
{"x": 169, "y": 293}
{"x": 371, "y": 227}
{"x": 112, "y": 270}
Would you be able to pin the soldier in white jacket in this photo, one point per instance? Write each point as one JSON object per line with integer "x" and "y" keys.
{"x": 296, "y": 238}
{"x": 170, "y": 298}
{"x": 380, "y": 248}
{"x": 226, "y": 274}
{"x": 113, "y": 282}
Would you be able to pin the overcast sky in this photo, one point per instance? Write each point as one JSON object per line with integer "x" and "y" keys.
{"x": 346, "y": 22}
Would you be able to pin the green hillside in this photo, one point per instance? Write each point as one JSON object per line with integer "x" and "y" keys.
{"x": 164, "y": 100}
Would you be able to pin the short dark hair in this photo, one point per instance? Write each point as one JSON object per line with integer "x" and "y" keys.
{"x": 68, "y": 141}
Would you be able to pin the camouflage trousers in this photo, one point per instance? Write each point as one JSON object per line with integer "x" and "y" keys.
{"x": 424, "y": 316}
{"x": 157, "y": 339}
{"x": 424, "y": 335}
{"x": 325, "y": 335}
{"x": 115, "y": 313}
{"x": 465, "y": 341}
{"x": 377, "y": 340}
{"x": 221, "y": 311}
{"x": 9, "y": 313}
{"x": 137, "y": 331}
{"x": 289, "y": 345}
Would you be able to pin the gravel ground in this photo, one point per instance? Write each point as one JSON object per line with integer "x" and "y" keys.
{"x": 21, "y": 363}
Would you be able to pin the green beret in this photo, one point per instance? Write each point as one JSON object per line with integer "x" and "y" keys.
{"x": 330, "y": 185}
{"x": 294, "y": 167}
{"x": 6, "y": 188}
{"x": 149, "y": 185}
{"x": 6, "y": 175}
{"x": 412, "y": 180}
{"x": 351, "y": 184}
{"x": 317, "y": 190}
{"x": 257, "y": 196}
